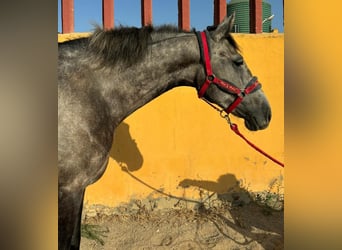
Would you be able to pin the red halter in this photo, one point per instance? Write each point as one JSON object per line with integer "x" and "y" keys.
{"x": 210, "y": 78}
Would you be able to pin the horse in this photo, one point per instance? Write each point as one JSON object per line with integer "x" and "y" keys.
{"x": 105, "y": 77}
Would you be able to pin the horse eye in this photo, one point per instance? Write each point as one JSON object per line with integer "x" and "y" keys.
{"x": 238, "y": 61}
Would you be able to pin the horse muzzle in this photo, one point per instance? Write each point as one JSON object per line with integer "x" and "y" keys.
{"x": 259, "y": 120}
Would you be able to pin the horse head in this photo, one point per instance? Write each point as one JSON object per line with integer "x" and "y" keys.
{"x": 227, "y": 80}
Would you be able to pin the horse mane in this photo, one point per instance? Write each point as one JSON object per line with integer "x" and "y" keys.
{"x": 124, "y": 44}
{"x": 129, "y": 44}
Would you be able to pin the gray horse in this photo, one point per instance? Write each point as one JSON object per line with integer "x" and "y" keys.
{"x": 104, "y": 78}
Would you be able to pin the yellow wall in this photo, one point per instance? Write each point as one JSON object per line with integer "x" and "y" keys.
{"x": 178, "y": 144}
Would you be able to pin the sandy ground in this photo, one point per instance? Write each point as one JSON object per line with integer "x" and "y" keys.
{"x": 226, "y": 225}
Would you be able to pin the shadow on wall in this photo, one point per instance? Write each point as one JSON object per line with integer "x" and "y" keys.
{"x": 224, "y": 184}
{"x": 125, "y": 149}
{"x": 227, "y": 188}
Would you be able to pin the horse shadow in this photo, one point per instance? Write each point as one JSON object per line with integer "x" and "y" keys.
{"x": 125, "y": 149}
{"x": 241, "y": 213}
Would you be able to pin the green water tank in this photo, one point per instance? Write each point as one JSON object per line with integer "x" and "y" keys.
{"x": 241, "y": 8}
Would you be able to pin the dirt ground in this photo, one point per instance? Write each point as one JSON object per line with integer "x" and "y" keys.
{"x": 226, "y": 225}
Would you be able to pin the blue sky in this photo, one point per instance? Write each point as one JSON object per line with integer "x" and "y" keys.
{"x": 127, "y": 13}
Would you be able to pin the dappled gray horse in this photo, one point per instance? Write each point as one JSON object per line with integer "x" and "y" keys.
{"x": 104, "y": 78}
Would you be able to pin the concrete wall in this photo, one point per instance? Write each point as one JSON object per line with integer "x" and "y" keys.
{"x": 178, "y": 144}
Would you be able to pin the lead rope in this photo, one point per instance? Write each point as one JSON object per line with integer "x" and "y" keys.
{"x": 235, "y": 128}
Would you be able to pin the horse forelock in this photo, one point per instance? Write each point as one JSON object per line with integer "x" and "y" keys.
{"x": 125, "y": 44}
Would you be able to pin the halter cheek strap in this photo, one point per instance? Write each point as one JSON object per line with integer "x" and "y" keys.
{"x": 224, "y": 85}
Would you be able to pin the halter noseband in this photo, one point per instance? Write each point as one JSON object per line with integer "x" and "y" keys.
{"x": 224, "y": 85}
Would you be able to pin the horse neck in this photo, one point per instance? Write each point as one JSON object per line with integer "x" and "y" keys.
{"x": 170, "y": 63}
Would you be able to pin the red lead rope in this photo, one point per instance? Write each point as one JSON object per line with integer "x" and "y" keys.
{"x": 234, "y": 127}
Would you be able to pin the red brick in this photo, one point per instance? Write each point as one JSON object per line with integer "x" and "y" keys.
{"x": 255, "y": 7}
{"x": 220, "y": 11}
{"x": 146, "y": 12}
{"x": 108, "y": 14}
{"x": 184, "y": 14}
{"x": 67, "y": 16}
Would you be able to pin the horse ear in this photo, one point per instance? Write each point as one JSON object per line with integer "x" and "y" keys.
{"x": 224, "y": 28}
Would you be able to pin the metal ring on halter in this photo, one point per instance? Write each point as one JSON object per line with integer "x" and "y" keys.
{"x": 223, "y": 114}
